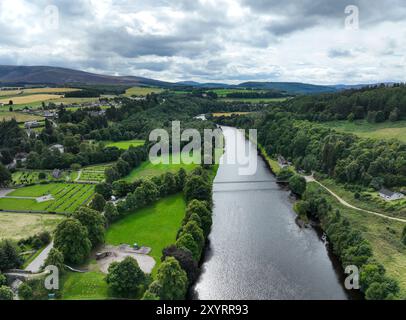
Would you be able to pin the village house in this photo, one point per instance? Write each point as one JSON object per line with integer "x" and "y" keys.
{"x": 283, "y": 162}
{"x": 58, "y": 147}
{"x": 389, "y": 195}
{"x": 31, "y": 124}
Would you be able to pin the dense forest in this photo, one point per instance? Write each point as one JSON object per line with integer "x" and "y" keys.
{"x": 375, "y": 103}
{"x": 345, "y": 157}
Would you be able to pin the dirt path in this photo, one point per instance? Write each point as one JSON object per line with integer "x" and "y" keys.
{"x": 345, "y": 203}
{"x": 79, "y": 174}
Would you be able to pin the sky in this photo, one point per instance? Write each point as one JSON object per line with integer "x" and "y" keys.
{"x": 232, "y": 41}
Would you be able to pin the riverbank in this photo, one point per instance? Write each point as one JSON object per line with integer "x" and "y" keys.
{"x": 382, "y": 235}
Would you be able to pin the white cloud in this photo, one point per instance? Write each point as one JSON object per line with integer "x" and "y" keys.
{"x": 206, "y": 40}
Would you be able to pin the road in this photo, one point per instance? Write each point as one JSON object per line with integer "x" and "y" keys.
{"x": 36, "y": 264}
{"x": 345, "y": 203}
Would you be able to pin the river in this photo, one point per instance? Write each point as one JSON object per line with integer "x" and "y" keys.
{"x": 257, "y": 250}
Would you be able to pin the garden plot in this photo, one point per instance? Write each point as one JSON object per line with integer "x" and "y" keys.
{"x": 53, "y": 197}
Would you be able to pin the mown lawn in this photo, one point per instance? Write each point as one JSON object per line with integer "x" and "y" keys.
{"x": 17, "y": 226}
{"x": 384, "y": 236}
{"x": 84, "y": 286}
{"x": 148, "y": 169}
{"x": 385, "y": 130}
{"x": 155, "y": 226}
{"x": 125, "y": 144}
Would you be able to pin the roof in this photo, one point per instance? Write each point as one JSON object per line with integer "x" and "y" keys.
{"x": 386, "y": 192}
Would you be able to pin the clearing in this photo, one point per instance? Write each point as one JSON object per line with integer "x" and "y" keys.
{"x": 148, "y": 169}
{"x": 385, "y": 130}
{"x": 17, "y": 226}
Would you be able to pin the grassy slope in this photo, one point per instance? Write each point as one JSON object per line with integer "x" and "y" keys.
{"x": 384, "y": 236}
{"x": 17, "y": 226}
{"x": 362, "y": 128}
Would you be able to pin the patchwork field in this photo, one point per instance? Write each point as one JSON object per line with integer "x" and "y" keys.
{"x": 18, "y": 226}
{"x": 64, "y": 198}
{"x": 364, "y": 129}
{"x": 142, "y": 91}
{"x": 20, "y": 117}
{"x": 155, "y": 226}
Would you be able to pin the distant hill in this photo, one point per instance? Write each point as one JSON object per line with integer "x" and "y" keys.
{"x": 289, "y": 87}
{"x": 56, "y": 75}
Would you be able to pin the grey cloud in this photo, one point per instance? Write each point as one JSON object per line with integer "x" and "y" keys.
{"x": 339, "y": 53}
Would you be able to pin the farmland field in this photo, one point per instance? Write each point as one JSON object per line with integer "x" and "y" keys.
{"x": 20, "y": 117}
{"x": 155, "y": 226}
{"x": 142, "y": 91}
{"x": 10, "y": 93}
{"x": 30, "y": 98}
{"x": 364, "y": 129}
{"x": 125, "y": 144}
{"x": 17, "y": 226}
{"x": 66, "y": 197}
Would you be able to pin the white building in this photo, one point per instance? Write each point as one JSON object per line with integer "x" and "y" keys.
{"x": 389, "y": 195}
{"x": 57, "y": 147}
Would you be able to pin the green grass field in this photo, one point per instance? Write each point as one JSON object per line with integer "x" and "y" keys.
{"x": 155, "y": 226}
{"x": 17, "y": 226}
{"x": 142, "y": 91}
{"x": 386, "y": 130}
{"x": 67, "y": 197}
{"x": 147, "y": 169}
{"x": 125, "y": 144}
{"x": 84, "y": 286}
{"x": 384, "y": 236}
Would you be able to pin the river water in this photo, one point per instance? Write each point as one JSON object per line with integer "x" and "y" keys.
{"x": 257, "y": 250}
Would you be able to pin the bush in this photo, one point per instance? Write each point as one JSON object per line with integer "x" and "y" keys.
{"x": 94, "y": 223}
{"x": 9, "y": 256}
{"x": 25, "y": 291}
{"x": 6, "y": 293}
{"x": 297, "y": 184}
